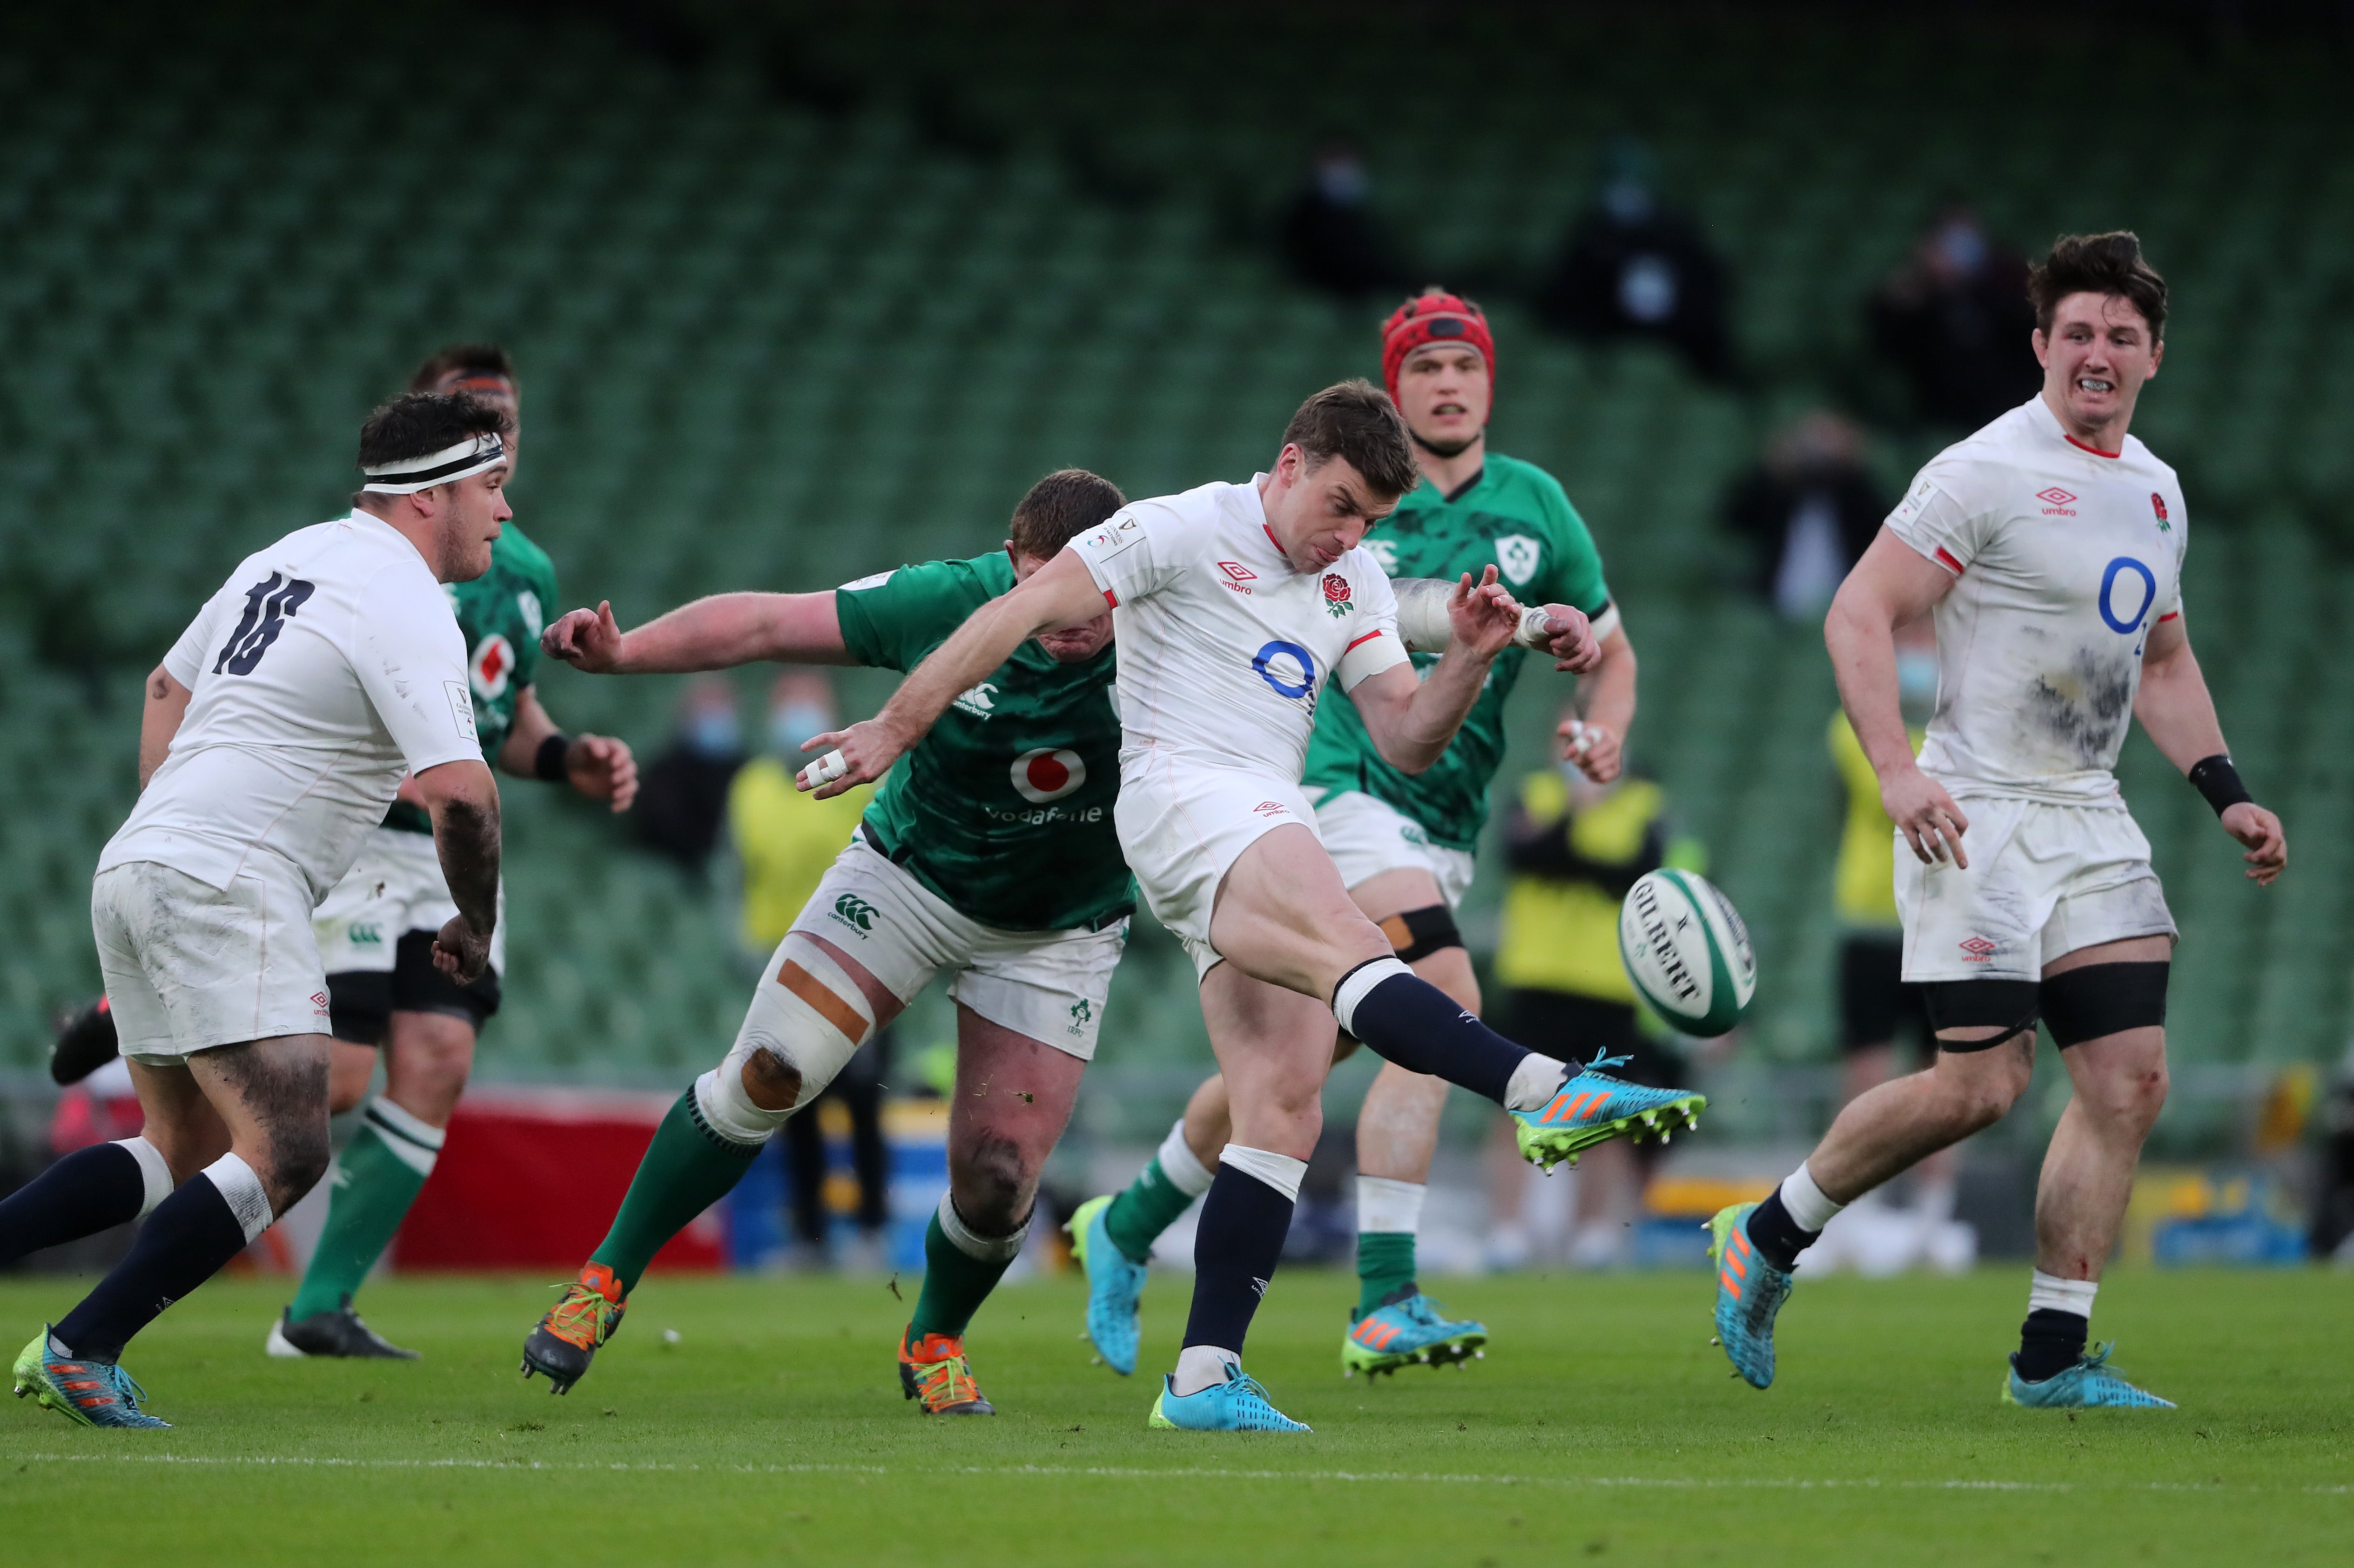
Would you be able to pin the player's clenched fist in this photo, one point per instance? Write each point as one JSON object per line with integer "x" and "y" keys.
{"x": 849, "y": 757}
{"x": 1932, "y": 824}
{"x": 586, "y": 639}
{"x": 2258, "y": 829}
{"x": 1563, "y": 632}
{"x": 462, "y": 952}
{"x": 1482, "y": 615}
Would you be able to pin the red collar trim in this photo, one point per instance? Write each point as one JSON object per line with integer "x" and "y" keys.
{"x": 1271, "y": 539}
{"x": 2094, "y": 451}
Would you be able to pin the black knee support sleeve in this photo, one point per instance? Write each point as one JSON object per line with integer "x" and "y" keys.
{"x": 1419, "y": 933}
{"x": 2103, "y": 999}
{"x": 2009, "y": 1005}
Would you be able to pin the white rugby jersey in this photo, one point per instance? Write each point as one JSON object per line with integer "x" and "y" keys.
{"x": 2064, "y": 558}
{"x": 1223, "y": 648}
{"x": 328, "y": 665}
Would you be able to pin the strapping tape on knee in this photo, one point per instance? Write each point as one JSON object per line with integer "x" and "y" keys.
{"x": 2010, "y": 1006}
{"x": 811, "y": 1021}
{"x": 1419, "y": 933}
{"x": 2087, "y": 1003}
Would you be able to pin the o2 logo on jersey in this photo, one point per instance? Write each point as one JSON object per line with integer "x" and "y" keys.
{"x": 1048, "y": 773}
{"x": 1287, "y": 667}
{"x": 494, "y": 660}
{"x": 2126, "y": 625}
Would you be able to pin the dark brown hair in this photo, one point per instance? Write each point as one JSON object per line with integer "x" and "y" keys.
{"x": 1059, "y": 508}
{"x": 2098, "y": 264}
{"x": 1356, "y": 421}
{"x": 465, "y": 359}
{"x": 418, "y": 424}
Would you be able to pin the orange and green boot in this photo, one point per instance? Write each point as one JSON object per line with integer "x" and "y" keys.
{"x": 587, "y": 1314}
{"x": 934, "y": 1372}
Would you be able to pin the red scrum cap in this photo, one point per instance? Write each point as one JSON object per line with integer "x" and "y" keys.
{"x": 1433, "y": 316}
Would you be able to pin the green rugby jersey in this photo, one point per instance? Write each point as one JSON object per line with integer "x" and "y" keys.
{"x": 1512, "y": 517}
{"x": 1005, "y": 808}
{"x": 499, "y": 615}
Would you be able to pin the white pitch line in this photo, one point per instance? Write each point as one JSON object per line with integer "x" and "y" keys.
{"x": 1378, "y": 1477}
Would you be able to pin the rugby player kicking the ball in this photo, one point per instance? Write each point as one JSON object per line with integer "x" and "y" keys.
{"x": 1236, "y": 605}
{"x": 2050, "y": 548}
{"x": 1403, "y": 842}
{"x": 991, "y": 853}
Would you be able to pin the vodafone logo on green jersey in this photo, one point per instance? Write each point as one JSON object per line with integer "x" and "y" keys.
{"x": 1048, "y": 773}
{"x": 493, "y": 662}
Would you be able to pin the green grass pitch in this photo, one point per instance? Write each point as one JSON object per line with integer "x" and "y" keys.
{"x": 1603, "y": 1427}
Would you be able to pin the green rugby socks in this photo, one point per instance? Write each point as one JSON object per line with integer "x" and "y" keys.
{"x": 1389, "y": 1214}
{"x": 960, "y": 1268}
{"x": 375, "y": 1180}
{"x": 1163, "y": 1190}
{"x": 686, "y": 1168}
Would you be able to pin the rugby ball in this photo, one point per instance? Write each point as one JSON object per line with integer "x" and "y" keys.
{"x": 1687, "y": 951}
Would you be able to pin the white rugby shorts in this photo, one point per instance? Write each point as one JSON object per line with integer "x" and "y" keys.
{"x": 1048, "y": 985}
{"x": 1366, "y": 836}
{"x": 2044, "y": 879}
{"x": 1182, "y": 826}
{"x": 189, "y": 966}
{"x": 395, "y": 887}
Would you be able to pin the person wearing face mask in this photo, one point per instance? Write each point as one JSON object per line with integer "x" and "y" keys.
{"x": 684, "y": 802}
{"x": 1634, "y": 265}
{"x": 1954, "y": 321}
{"x": 787, "y": 841}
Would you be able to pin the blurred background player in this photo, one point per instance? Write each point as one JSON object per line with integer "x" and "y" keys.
{"x": 1575, "y": 847}
{"x": 2049, "y": 545}
{"x": 990, "y": 854}
{"x": 1404, "y": 843}
{"x": 376, "y": 928}
{"x": 277, "y": 729}
{"x": 786, "y": 841}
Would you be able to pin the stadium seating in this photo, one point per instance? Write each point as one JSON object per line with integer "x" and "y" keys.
{"x": 779, "y": 340}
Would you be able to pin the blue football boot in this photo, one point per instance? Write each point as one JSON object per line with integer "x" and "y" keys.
{"x": 1237, "y": 1404}
{"x": 2090, "y": 1384}
{"x": 1114, "y": 1284}
{"x": 1404, "y": 1330}
{"x": 96, "y": 1394}
{"x": 1749, "y": 1292}
{"x": 1593, "y": 1108}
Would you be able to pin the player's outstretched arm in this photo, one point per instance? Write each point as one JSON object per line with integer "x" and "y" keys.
{"x": 1062, "y": 593}
{"x": 2179, "y": 712}
{"x": 1556, "y": 629}
{"x": 1892, "y": 585}
{"x": 600, "y": 767}
{"x": 464, "y": 801}
{"x": 159, "y": 721}
{"x": 1410, "y": 721}
{"x": 714, "y": 633}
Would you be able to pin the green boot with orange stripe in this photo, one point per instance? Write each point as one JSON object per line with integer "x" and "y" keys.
{"x": 1749, "y": 1296}
{"x": 1408, "y": 1331}
{"x": 933, "y": 1371}
{"x": 96, "y": 1394}
{"x": 1593, "y": 1108}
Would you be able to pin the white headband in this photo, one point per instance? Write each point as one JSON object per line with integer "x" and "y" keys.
{"x": 409, "y": 475}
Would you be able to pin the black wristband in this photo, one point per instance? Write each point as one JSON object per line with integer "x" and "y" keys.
{"x": 2215, "y": 777}
{"x": 548, "y": 764}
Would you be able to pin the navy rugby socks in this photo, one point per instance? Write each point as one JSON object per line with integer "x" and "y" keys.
{"x": 1404, "y": 1019}
{"x": 1244, "y": 1221}
{"x": 89, "y": 1190}
{"x": 190, "y": 1237}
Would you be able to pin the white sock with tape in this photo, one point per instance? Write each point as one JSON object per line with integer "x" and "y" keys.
{"x": 1280, "y": 1171}
{"x": 974, "y": 1246}
{"x": 1537, "y": 1079}
{"x": 1181, "y": 1165}
{"x": 1201, "y": 1366}
{"x": 1386, "y": 1206}
{"x": 153, "y": 1172}
{"x": 242, "y": 1188}
{"x": 2050, "y": 1293}
{"x": 1809, "y": 1209}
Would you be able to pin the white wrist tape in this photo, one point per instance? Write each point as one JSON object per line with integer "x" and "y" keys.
{"x": 825, "y": 770}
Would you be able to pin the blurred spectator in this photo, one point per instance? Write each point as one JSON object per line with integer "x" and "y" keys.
{"x": 1633, "y": 266}
{"x": 684, "y": 792}
{"x": 787, "y": 841}
{"x": 1954, "y": 320}
{"x": 1808, "y": 510}
{"x": 2333, "y": 1208}
{"x": 1331, "y": 236}
{"x": 1574, "y": 848}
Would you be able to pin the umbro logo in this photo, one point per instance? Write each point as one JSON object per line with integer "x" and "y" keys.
{"x": 1272, "y": 809}
{"x": 1236, "y": 575}
{"x": 1978, "y": 949}
{"x": 2055, "y": 501}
